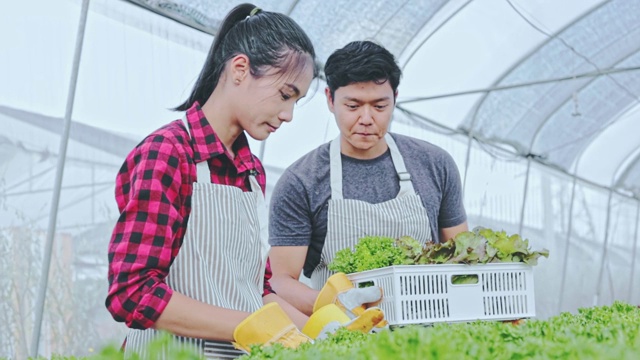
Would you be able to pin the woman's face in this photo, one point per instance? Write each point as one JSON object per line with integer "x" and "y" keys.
{"x": 267, "y": 101}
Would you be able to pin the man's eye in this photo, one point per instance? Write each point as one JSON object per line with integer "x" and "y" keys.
{"x": 381, "y": 107}
{"x": 351, "y": 106}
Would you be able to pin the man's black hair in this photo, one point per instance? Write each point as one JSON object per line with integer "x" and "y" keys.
{"x": 361, "y": 61}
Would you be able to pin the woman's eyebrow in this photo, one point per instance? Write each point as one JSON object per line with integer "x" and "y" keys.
{"x": 293, "y": 88}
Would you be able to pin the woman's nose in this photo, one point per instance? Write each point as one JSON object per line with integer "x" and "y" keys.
{"x": 286, "y": 115}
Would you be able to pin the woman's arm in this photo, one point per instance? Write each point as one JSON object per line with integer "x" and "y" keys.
{"x": 185, "y": 316}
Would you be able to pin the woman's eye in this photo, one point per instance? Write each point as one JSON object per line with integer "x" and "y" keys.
{"x": 285, "y": 97}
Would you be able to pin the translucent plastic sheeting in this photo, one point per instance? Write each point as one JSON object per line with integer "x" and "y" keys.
{"x": 136, "y": 65}
{"x": 585, "y": 248}
{"x": 391, "y": 22}
{"x": 621, "y": 155}
{"x": 573, "y": 233}
{"x": 598, "y": 104}
{"x": 556, "y": 121}
{"x": 129, "y": 76}
{"x": 618, "y": 262}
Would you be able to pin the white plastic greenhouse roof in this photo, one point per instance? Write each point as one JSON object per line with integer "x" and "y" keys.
{"x": 537, "y": 101}
{"x": 554, "y": 81}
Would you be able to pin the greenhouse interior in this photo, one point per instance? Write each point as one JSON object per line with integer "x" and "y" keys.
{"x": 536, "y": 101}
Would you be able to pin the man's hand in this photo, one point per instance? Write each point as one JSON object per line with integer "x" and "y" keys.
{"x": 330, "y": 318}
{"x": 340, "y": 291}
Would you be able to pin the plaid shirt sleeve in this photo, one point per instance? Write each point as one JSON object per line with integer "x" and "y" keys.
{"x": 267, "y": 276}
{"x": 148, "y": 233}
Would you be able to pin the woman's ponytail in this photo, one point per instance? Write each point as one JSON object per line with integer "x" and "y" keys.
{"x": 210, "y": 73}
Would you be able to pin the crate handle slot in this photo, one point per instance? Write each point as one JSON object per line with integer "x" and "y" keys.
{"x": 464, "y": 279}
{"x": 364, "y": 284}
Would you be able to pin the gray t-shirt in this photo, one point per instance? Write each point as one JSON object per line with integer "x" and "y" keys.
{"x": 299, "y": 202}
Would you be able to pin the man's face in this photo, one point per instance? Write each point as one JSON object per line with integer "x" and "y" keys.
{"x": 363, "y": 112}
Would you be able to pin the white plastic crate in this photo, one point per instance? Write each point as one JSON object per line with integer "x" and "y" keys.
{"x": 424, "y": 294}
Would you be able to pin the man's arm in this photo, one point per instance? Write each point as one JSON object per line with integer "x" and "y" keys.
{"x": 286, "y": 265}
{"x": 294, "y": 314}
{"x": 451, "y": 232}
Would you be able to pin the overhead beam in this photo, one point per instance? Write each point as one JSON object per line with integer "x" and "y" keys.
{"x": 524, "y": 84}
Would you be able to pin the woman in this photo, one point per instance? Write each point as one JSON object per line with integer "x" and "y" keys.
{"x": 188, "y": 252}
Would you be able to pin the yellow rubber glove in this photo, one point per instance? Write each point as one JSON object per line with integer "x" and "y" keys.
{"x": 268, "y": 325}
{"x": 330, "y": 318}
{"x": 339, "y": 290}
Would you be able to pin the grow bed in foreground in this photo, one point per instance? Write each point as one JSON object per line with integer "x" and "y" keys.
{"x": 606, "y": 332}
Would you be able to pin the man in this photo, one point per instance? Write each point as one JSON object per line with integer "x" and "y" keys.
{"x": 365, "y": 182}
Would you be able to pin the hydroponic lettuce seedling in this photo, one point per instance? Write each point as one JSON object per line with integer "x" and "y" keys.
{"x": 479, "y": 246}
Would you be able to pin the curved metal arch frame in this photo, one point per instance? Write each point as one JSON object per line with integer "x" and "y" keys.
{"x": 528, "y": 55}
{"x": 419, "y": 43}
{"x": 624, "y": 169}
{"x": 542, "y": 124}
{"x": 497, "y": 82}
{"x": 180, "y": 19}
{"x": 561, "y": 104}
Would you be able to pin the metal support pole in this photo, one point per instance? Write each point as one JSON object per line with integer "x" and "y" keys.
{"x": 596, "y": 297}
{"x": 466, "y": 167}
{"x": 633, "y": 256}
{"x": 51, "y": 230}
{"x": 524, "y": 196}
{"x": 263, "y": 145}
{"x": 566, "y": 246}
{"x": 93, "y": 194}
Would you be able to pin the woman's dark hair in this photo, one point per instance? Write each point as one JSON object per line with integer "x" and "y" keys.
{"x": 361, "y": 61}
{"x": 268, "y": 39}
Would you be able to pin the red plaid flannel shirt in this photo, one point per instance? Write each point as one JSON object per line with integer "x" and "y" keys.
{"x": 153, "y": 193}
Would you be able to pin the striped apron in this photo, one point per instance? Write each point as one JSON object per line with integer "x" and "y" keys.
{"x": 222, "y": 258}
{"x": 348, "y": 220}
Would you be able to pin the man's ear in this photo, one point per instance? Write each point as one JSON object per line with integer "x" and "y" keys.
{"x": 239, "y": 67}
{"x": 327, "y": 93}
{"x": 395, "y": 97}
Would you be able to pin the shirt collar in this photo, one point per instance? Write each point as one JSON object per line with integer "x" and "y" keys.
{"x": 206, "y": 144}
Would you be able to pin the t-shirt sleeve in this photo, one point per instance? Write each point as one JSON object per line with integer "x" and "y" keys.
{"x": 289, "y": 213}
{"x": 452, "y": 212}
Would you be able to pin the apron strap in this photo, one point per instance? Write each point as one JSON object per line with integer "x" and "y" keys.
{"x": 335, "y": 172}
{"x": 255, "y": 187}
{"x": 406, "y": 187}
{"x": 202, "y": 168}
{"x": 335, "y": 169}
